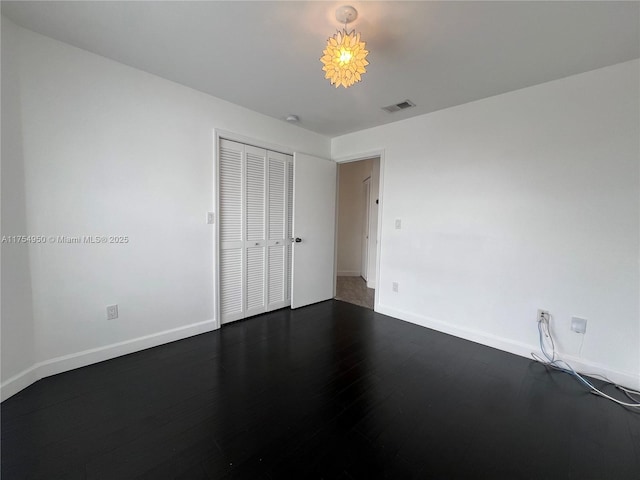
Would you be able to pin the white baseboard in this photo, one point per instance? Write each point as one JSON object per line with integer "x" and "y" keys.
{"x": 19, "y": 382}
{"x": 626, "y": 379}
{"x": 348, "y": 273}
{"x": 81, "y": 359}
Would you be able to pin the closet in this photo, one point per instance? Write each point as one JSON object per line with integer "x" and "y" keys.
{"x": 254, "y": 220}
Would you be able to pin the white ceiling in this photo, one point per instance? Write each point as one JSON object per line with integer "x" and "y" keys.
{"x": 265, "y": 55}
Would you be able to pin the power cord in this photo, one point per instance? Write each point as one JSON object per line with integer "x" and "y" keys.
{"x": 552, "y": 360}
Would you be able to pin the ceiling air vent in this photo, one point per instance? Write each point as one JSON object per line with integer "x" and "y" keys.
{"x": 399, "y": 106}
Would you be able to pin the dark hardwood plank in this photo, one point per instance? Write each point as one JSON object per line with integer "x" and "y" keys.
{"x": 331, "y": 391}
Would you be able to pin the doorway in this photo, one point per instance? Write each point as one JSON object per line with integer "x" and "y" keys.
{"x": 357, "y": 219}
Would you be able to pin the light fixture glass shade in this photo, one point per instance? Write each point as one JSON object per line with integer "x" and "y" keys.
{"x": 344, "y": 59}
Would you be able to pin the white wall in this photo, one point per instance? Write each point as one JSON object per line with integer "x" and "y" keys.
{"x": 351, "y": 215}
{"x": 521, "y": 201}
{"x": 110, "y": 150}
{"x": 17, "y": 311}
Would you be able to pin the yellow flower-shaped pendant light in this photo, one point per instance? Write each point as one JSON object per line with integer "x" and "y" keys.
{"x": 344, "y": 59}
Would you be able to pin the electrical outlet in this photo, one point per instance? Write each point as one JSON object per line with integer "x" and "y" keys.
{"x": 210, "y": 218}
{"x": 112, "y": 312}
{"x": 579, "y": 325}
{"x": 398, "y": 224}
{"x": 394, "y": 286}
{"x": 543, "y": 315}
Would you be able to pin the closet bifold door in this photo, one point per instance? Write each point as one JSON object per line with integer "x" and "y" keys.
{"x": 255, "y": 240}
{"x": 277, "y": 230}
{"x": 231, "y": 165}
{"x": 255, "y": 189}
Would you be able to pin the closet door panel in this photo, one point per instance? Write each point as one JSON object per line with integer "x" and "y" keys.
{"x": 231, "y": 268}
{"x": 255, "y": 190}
{"x": 289, "y": 235}
{"x": 255, "y": 244}
{"x": 277, "y": 230}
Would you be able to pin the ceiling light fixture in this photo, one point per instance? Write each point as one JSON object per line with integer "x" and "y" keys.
{"x": 344, "y": 58}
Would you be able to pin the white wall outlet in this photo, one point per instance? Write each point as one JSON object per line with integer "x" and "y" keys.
{"x": 543, "y": 315}
{"x": 394, "y": 286}
{"x": 579, "y": 325}
{"x": 210, "y": 218}
{"x": 112, "y": 312}
{"x": 398, "y": 224}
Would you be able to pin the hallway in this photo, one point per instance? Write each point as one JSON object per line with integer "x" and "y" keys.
{"x": 354, "y": 290}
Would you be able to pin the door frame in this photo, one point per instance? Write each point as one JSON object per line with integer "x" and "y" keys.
{"x": 219, "y": 134}
{"x": 356, "y": 158}
{"x": 366, "y": 227}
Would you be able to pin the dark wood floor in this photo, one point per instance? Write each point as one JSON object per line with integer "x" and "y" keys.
{"x": 329, "y": 391}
